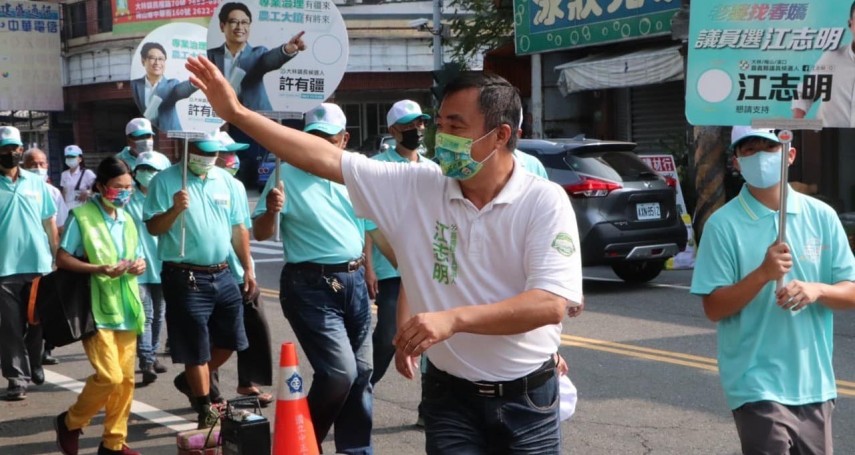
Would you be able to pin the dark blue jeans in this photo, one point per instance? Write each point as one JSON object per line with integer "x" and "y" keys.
{"x": 154, "y": 308}
{"x": 384, "y": 330}
{"x": 333, "y": 329}
{"x": 464, "y": 423}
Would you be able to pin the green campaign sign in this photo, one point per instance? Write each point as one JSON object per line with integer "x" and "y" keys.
{"x": 549, "y": 25}
{"x": 774, "y": 60}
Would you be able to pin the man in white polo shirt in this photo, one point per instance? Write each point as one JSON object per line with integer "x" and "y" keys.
{"x": 489, "y": 258}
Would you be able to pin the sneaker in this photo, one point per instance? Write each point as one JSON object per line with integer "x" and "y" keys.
{"x": 66, "y": 440}
{"x": 148, "y": 375}
{"x": 48, "y": 359}
{"x": 208, "y": 416}
{"x": 124, "y": 451}
{"x": 159, "y": 368}
{"x": 15, "y": 393}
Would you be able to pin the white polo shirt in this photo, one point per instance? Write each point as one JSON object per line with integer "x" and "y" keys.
{"x": 68, "y": 183}
{"x": 451, "y": 254}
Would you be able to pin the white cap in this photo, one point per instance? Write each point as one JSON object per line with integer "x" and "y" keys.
{"x": 73, "y": 150}
{"x": 157, "y": 160}
{"x": 231, "y": 145}
{"x": 138, "y": 127}
{"x": 740, "y": 133}
{"x": 405, "y": 111}
{"x": 9, "y": 135}
{"x": 327, "y": 118}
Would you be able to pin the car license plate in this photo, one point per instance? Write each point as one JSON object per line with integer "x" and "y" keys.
{"x": 648, "y": 211}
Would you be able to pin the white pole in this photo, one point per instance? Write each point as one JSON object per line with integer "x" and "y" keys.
{"x": 786, "y": 137}
{"x": 184, "y": 188}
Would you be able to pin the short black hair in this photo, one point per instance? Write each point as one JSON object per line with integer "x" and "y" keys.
{"x": 149, "y": 46}
{"x": 110, "y": 168}
{"x": 498, "y": 100}
{"x": 231, "y": 6}
{"x": 852, "y": 11}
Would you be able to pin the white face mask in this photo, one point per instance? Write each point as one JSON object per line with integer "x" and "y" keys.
{"x": 143, "y": 145}
{"x": 39, "y": 171}
{"x": 200, "y": 165}
{"x": 72, "y": 162}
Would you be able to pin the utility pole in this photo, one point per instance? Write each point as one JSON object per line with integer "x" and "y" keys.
{"x": 437, "y": 41}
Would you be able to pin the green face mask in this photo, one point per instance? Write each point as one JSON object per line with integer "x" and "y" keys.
{"x": 455, "y": 155}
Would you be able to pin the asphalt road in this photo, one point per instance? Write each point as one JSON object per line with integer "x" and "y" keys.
{"x": 643, "y": 359}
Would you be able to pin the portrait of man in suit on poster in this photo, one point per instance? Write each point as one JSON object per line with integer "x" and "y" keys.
{"x": 155, "y": 94}
{"x": 245, "y": 65}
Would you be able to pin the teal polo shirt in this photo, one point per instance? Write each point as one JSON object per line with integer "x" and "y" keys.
{"x": 125, "y": 155}
{"x": 764, "y": 352}
{"x": 317, "y": 223}
{"x": 148, "y": 242}
{"x": 530, "y": 163}
{"x": 72, "y": 243}
{"x": 382, "y": 267}
{"x": 24, "y": 204}
{"x": 234, "y": 261}
{"x": 214, "y": 209}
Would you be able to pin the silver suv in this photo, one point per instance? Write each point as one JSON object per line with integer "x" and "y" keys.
{"x": 626, "y": 213}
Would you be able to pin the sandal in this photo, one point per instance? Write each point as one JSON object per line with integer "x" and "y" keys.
{"x": 264, "y": 398}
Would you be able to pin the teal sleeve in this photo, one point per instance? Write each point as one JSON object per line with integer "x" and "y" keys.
{"x": 72, "y": 242}
{"x": 158, "y": 199}
{"x": 370, "y": 226}
{"x": 843, "y": 263}
{"x": 48, "y": 206}
{"x": 715, "y": 264}
{"x": 237, "y": 212}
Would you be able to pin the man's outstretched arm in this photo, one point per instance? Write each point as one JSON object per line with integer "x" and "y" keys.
{"x": 309, "y": 153}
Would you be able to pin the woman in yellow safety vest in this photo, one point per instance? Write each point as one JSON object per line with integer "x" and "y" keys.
{"x": 100, "y": 239}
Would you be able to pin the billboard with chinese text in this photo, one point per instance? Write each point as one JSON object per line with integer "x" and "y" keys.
{"x": 160, "y": 83}
{"x": 752, "y": 61}
{"x": 248, "y": 41}
{"x": 30, "y": 56}
{"x": 548, "y": 25}
{"x": 135, "y": 16}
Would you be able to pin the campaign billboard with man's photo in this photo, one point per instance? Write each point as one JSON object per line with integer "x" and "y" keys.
{"x": 750, "y": 60}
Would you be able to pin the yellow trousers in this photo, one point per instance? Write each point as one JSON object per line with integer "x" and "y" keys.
{"x": 112, "y": 354}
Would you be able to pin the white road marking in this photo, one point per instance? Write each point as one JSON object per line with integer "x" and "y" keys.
{"x": 145, "y": 411}
{"x": 269, "y": 260}
{"x": 260, "y": 250}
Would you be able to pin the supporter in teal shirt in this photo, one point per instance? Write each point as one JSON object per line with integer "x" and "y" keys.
{"x": 530, "y": 163}
{"x": 774, "y": 348}
{"x": 140, "y": 139}
{"x": 147, "y": 165}
{"x": 204, "y": 305}
{"x": 322, "y": 287}
{"x": 29, "y": 238}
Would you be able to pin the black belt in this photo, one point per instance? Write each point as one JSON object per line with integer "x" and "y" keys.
{"x": 323, "y": 269}
{"x": 198, "y": 268}
{"x": 498, "y": 389}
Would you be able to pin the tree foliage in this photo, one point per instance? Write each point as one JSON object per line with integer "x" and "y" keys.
{"x": 479, "y": 25}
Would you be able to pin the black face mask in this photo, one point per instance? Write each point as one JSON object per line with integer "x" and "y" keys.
{"x": 411, "y": 139}
{"x": 10, "y": 160}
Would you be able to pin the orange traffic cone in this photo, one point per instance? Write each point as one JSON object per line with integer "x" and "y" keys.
{"x": 294, "y": 433}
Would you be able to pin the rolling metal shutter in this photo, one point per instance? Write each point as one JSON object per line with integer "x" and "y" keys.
{"x": 658, "y": 119}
